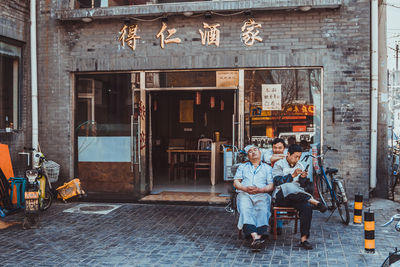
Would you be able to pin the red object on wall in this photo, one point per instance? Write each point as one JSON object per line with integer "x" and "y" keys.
{"x": 299, "y": 128}
{"x": 212, "y": 102}
{"x": 222, "y": 105}
{"x": 198, "y": 98}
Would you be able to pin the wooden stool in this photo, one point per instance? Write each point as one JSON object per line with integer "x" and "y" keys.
{"x": 286, "y": 213}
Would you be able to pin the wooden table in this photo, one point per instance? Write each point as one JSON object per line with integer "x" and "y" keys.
{"x": 174, "y": 157}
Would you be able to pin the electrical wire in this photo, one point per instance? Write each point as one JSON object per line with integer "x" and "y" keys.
{"x": 192, "y": 16}
{"x": 392, "y": 5}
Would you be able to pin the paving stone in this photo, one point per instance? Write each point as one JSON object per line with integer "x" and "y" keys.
{"x": 167, "y": 235}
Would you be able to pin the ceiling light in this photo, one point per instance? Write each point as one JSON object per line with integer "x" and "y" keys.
{"x": 188, "y": 13}
{"x": 305, "y": 8}
{"x": 87, "y": 19}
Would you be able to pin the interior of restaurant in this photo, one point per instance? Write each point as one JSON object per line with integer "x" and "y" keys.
{"x": 189, "y": 121}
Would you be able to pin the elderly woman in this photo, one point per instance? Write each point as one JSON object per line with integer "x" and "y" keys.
{"x": 253, "y": 181}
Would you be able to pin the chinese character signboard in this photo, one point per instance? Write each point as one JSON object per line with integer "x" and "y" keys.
{"x": 227, "y": 78}
{"x": 166, "y": 40}
{"x": 249, "y": 32}
{"x": 210, "y": 34}
{"x": 271, "y": 96}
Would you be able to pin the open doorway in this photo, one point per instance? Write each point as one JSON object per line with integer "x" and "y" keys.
{"x": 179, "y": 119}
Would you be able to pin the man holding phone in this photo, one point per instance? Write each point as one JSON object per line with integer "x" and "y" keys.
{"x": 289, "y": 175}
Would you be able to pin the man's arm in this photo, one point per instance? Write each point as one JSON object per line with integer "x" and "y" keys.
{"x": 278, "y": 175}
{"x": 279, "y": 180}
{"x": 238, "y": 185}
{"x": 266, "y": 189}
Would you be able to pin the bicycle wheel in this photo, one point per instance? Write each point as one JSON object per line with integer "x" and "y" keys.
{"x": 323, "y": 192}
{"x": 46, "y": 202}
{"x": 341, "y": 202}
{"x": 394, "y": 257}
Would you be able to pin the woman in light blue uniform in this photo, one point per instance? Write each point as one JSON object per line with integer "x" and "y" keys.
{"x": 253, "y": 181}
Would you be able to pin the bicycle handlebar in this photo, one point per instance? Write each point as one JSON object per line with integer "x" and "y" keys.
{"x": 322, "y": 155}
{"x": 395, "y": 218}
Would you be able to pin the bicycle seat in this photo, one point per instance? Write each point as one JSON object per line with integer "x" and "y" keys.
{"x": 331, "y": 171}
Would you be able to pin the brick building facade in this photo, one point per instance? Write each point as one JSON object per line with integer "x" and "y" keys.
{"x": 15, "y": 46}
{"x": 333, "y": 37}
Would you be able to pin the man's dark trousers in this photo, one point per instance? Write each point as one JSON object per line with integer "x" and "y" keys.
{"x": 300, "y": 202}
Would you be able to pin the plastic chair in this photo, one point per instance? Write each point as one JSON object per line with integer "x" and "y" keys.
{"x": 19, "y": 185}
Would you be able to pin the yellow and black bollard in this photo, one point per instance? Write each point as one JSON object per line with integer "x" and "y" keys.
{"x": 369, "y": 231}
{"x": 358, "y": 206}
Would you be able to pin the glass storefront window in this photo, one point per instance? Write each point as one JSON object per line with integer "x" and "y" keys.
{"x": 294, "y": 113}
{"x": 9, "y": 94}
{"x": 103, "y": 104}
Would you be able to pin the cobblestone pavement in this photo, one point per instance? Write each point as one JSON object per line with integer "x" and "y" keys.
{"x": 172, "y": 235}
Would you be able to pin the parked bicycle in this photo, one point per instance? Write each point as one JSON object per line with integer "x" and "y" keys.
{"x": 238, "y": 156}
{"x": 395, "y": 169}
{"x": 331, "y": 190}
{"x": 394, "y": 257}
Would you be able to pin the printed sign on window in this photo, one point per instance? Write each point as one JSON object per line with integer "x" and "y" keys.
{"x": 271, "y": 96}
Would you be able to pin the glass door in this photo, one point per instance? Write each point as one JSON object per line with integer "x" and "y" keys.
{"x": 106, "y": 130}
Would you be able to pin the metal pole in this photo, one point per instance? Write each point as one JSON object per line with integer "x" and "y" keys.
{"x": 397, "y": 57}
{"x": 374, "y": 91}
{"x": 35, "y": 120}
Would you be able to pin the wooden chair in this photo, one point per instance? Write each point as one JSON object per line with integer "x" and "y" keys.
{"x": 203, "y": 162}
{"x": 284, "y": 213}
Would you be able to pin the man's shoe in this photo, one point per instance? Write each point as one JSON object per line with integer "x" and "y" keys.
{"x": 321, "y": 207}
{"x": 306, "y": 245}
{"x": 257, "y": 245}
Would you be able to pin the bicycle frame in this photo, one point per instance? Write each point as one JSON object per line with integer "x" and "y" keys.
{"x": 328, "y": 182}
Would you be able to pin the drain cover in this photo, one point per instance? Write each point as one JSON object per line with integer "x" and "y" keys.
{"x": 96, "y": 208}
{"x": 92, "y": 208}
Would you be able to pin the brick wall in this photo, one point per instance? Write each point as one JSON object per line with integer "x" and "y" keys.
{"x": 14, "y": 29}
{"x": 336, "y": 39}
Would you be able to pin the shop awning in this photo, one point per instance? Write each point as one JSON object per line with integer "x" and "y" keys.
{"x": 127, "y": 12}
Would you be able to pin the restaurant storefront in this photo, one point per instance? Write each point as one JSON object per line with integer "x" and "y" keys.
{"x": 138, "y": 132}
{"x": 127, "y": 84}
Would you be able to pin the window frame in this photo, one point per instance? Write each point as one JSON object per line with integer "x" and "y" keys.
{"x": 13, "y": 50}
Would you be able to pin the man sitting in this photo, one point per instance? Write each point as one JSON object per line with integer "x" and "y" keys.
{"x": 289, "y": 176}
{"x": 253, "y": 181}
{"x": 276, "y": 153}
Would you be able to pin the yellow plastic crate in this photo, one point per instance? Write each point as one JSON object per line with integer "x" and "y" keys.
{"x": 70, "y": 189}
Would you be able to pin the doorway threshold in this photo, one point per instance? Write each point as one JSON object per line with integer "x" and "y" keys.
{"x": 211, "y": 198}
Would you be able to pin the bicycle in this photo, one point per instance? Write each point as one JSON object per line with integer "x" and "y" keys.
{"x": 394, "y": 257}
{"x": 331, "y": 190}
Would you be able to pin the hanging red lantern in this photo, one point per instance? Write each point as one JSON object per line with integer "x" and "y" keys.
{"x": 222, "y": 105}
{"x": 155, "y": 105}
{"x": 198, "y": 98}
{"x": 212, "y": 102}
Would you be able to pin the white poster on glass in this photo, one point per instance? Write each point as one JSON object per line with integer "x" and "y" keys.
{"x": 271, "y": 96}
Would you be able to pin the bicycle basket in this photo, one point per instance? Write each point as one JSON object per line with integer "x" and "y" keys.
{"x": 52, "y": 169}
